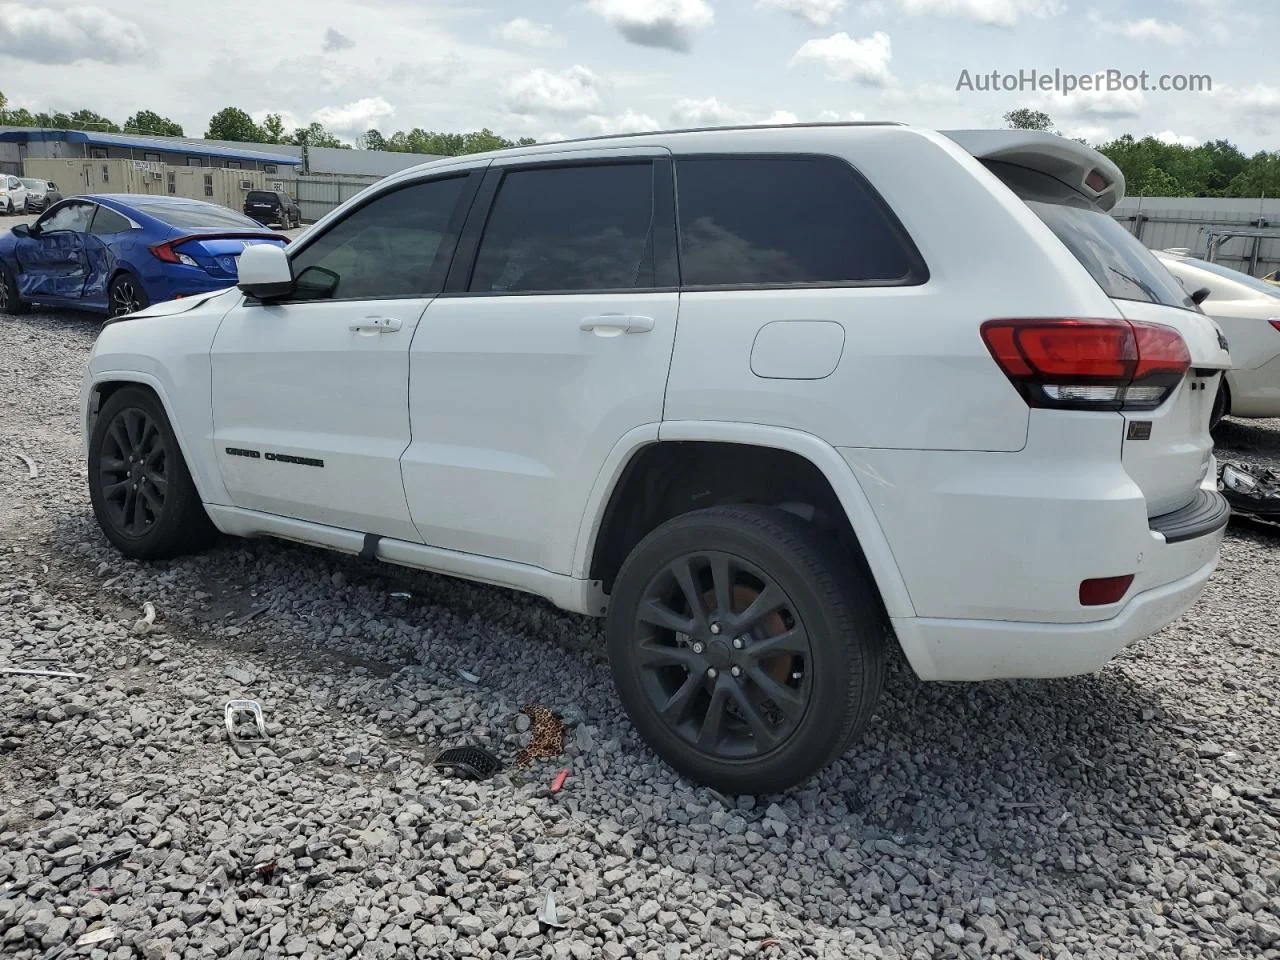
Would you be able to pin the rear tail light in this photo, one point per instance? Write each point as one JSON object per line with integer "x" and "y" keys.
{"x": 1276, "y": 324}
{"x": 1089, "y": 364}
{"x": 165, "y": 252}
{"x": 1101, "y": 591}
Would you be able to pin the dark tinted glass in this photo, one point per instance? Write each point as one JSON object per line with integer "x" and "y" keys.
{"x": 570, "y": 229}
{"x": 1114, "y": 257}
{"x": 108, "y": 221}
{"x": 783, "y": 220}
{"x": 393, "y": 246}
{"x": 69, "y": 216}
{"x": 262, "y": 196}
{"x": 195, "y": 216}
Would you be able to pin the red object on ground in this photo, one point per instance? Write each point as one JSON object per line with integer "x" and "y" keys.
{"x": 559, "y": 780}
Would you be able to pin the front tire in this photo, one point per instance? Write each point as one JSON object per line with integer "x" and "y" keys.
{"x": 747, "y": 651}
{"x": 10, "y": 302}
{"x": 142, "y": 493}
{"x": 127, "y": 295}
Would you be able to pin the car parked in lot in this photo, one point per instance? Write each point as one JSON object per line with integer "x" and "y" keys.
{"x": 972, "y": 418}
{"x": 119, "y": 253}
{"x": 13, "y": 195}
{"x": 1248, "y": 311}
{"x": 40, "y": 194}
{"x": 272, "y": 206}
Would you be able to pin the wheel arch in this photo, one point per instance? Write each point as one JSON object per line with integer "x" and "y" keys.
{"x": 642, "y": 468}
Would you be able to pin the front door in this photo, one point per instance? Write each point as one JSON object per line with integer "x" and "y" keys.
{"x": 51, "y": 259}
{"x": 528, "y": 371}
{"x": 310, "y": 394}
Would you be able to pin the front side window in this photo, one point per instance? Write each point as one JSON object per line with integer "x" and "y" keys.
{"x": 569, "y": 229}
{"x": 786, "y": 220}
{"x": 72, "y": 216}
{"x": 397, "y": 245}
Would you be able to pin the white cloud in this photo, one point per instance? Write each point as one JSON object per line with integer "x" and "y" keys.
{"x": 289, "y": 121}
{"x": 847, "y": 58}
{"x": 1161, "y": 31}
{"x": 1258, "y": 99}
{"x": 818, "y": 13}
{"x": 780, "y": 117}
{"x": 573, "y": 91}
{"x": 335, "y": 41}
{"x": 835, "y": 116}
{"x": 67, "y": 35}
{"x": 629, "y": 121}
{"x": 994, "y": 13}
{"x": 656, "y": 23}
{"x": 1096, "y": 104}
{"x": 525, "y": 32}
{"x": 1090, "y": 133}
{"x": 356, "y": 117}
{"x": 1177, "y": 139}
{"x": 710, "y": 112}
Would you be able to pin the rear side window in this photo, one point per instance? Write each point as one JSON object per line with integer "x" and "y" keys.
{"x": 787, "y": 220}
{"x": 1114, "y": 257}
{"x": 106, "y": 222}
{"x": 397, "y": 245}
{"x": 569, "y": 229}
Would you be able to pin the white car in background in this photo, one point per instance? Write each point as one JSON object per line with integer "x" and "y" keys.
{"x": 1248, "y": 311}
{"x": 13, "y": 195}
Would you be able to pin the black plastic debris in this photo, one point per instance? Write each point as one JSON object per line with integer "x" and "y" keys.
{"x": 474, "y": 763}
{"x": 1253, "y": 492}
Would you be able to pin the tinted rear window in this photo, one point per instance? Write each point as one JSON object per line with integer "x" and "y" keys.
{"x": 261, "y": 196}
{"x": 786, "y": 220}
{"x": 1114, "y": 257}
{"x": 196, "y": 217}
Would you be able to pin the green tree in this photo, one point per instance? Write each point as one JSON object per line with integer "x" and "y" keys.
{"x": 148, "y": 121}
{"x": 441, "y": 144}
{"x": 374, "y": 140}
{"x": 273, "y": 129}
{"x": 1261, "y": 178}
{"x": 91, "y": 120}
{"x": 1025, "y": 118}
{"x": 232, "y": 123}
{"x": 315, "y": 135}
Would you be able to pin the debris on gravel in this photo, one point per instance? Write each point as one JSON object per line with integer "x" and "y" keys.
{"x": 1135, "y": 813}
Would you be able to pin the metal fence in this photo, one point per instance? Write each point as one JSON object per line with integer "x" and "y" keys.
{"x": 1198, "y": 224}
{"x": 318, "y": 195}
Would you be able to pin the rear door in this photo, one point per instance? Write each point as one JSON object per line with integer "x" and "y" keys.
{"x": 1166, "y": 451}
{"x": 310, "y": 394}
{"x": 538, "y": 360}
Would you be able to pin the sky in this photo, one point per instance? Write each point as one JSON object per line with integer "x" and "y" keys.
{"x": 564, "y": 68}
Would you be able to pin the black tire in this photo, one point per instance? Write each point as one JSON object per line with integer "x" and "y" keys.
{"x": 10, "y": 302}
{"x": 127, "y": 295}
{"x": 142, "y": 493}
{"x": 826, "y": 633}
{"x": 1221, "y": 406}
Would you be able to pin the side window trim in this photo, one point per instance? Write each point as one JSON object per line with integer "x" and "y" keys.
{"x": 444, "y": 255}
{"x": 918, "y": 275}
{"x": 666, "y": 261}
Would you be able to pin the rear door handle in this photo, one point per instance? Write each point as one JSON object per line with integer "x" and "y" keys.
{"x": 613, "y": 324}
{"x": 371, "y": 325}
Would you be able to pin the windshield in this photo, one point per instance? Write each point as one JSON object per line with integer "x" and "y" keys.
{"x": 1235, "y": 276}
{"x": 1121, "y": 265}
{"x": 33, "y": 184}
{"x": 191, "y": 216}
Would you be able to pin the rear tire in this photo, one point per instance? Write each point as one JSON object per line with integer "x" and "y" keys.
{"x": 142, "y": 493}
{"x": 10, "y": 302}
{"x": 747, "y": 651}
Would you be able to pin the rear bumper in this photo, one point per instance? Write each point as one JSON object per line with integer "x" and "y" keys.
{"x": 994, "y": 649}
{"x": 1256, "y": 392}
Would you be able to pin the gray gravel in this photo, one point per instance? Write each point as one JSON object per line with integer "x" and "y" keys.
{"x": 1134, "y": 813}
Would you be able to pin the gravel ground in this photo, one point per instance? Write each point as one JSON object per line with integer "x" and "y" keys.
{"x": 1134, "y": 813}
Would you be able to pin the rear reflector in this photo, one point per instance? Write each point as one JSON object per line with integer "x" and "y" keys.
{"x": 1104, "y": 590}
{"x": 1089, "y": 364}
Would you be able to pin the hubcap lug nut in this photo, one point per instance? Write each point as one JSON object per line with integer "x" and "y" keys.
{"x": 737, "y": 643}
{"x": 736, "y": 671}
{"x": 711, "y": 672}
{"x": 715, "y": 629}
{"x": 697, "y": 648}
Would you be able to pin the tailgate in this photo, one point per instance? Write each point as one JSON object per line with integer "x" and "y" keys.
{"x": 1167, "y": 451}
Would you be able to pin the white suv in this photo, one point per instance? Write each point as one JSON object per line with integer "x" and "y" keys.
{"x": 767, "y": 398}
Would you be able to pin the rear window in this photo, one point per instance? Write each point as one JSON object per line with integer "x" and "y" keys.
{"x": 787, "y": 220}
{"x": 262, "y": 196}
{"x": 196, "y": 217}
{"x": 1114, "y": 257}
{"x": 1235, "y": 276}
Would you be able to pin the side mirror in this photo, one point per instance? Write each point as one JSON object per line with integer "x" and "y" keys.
{"x": 1201, "y": 295}
{"x": 22, "y": 230}
{"x": 264, "y": 271}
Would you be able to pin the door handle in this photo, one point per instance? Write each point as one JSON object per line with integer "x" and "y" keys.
{"x": 370, "y": 325}
{"x": 613, "y": 324}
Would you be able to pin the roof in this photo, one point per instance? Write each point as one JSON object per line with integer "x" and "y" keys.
{"x": 129, "y": 141}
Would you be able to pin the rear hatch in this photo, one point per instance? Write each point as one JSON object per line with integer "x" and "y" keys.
{"x": 260, "y": 203}
{"x": 1165, "y": 443}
